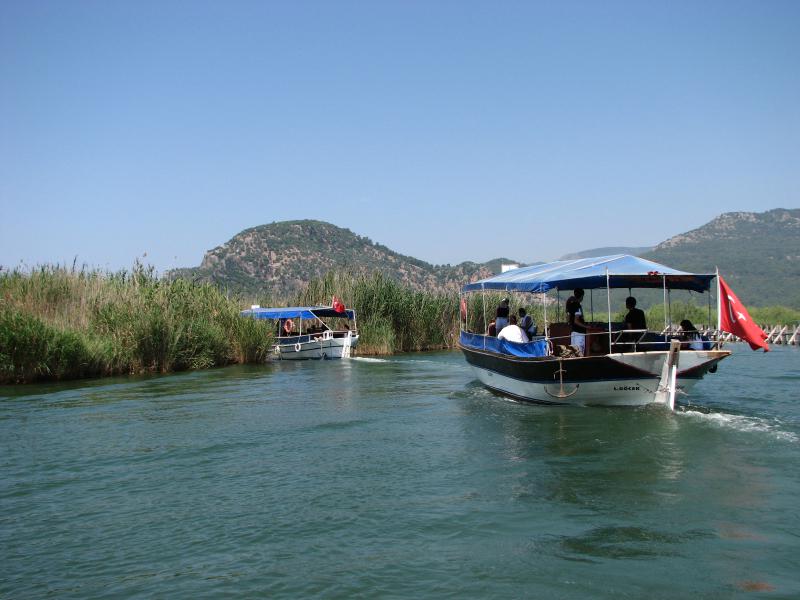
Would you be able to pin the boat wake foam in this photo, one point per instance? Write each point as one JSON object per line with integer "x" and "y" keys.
{"x": 438, "y": 364}
{"x": 744, "y": 423}
{"x": 367, "y": 359}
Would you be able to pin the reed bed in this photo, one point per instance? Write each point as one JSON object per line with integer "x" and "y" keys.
{"x": 60, "y": 323}
{"x": 63, "y": 323}
{"x": 391, "y": 317}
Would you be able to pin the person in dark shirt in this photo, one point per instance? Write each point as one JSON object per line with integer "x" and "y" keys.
{"x": 501, "y": 317}
{"x": 692, "y": 340}
{"x": 526, "y": 323}
{"x": 635, "y": 317}
{"x": 576, "y": 322}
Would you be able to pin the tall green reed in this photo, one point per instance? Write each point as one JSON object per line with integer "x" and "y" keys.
{"x": 58, "y": 323}
{"x": 391, "y": 317}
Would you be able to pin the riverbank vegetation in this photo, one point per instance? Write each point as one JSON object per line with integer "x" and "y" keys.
{"x": 391, "y": 317}
{"x": 60, "y": 323}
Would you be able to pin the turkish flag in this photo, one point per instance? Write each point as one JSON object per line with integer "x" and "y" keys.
{"x": 337, "y": 304}
{"x": 735, "y": 319}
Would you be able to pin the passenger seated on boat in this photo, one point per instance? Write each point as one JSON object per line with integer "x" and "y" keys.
{"x": 577, "y": 324}
{"x": 526, "y": 323}
{"x": 288, "y": 325}
{"x": 634, "y": 320}
{"x": 513, "y": 332}
{"x": 692, "y": 340}
{"x": 501, "y": 316}
{"x": 492, "y": 329}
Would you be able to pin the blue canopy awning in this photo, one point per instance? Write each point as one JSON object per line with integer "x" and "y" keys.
{"x": 623, "y": 270}
{"x": 297, "y": 312}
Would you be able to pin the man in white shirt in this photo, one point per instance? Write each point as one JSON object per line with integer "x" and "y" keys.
{"x": 512, "y": 332}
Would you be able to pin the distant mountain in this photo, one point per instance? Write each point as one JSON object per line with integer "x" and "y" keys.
{"x": 280, "y": 258}
{"x": 757, "y": 253}
{"x": 635, "y": 251}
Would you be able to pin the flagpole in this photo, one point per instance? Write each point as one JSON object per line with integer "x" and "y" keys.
{"x": 546, "y": 326}
{"x": 719, "y": 307}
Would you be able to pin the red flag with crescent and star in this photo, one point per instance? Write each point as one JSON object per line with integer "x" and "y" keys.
{"x": 735, "y": 319}
{"x": 337, "y": 305}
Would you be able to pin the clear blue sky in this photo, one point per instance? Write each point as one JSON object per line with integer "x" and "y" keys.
{"x": 449, "y": 131}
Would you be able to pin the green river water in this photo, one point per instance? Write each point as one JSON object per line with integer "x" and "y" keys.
{"x": 398, "y": 478}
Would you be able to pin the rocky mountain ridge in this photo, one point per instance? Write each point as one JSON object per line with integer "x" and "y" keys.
{"x": 741, "y": 226}
{"x": 757, "y": 253}
{"x": 278, "y": 259}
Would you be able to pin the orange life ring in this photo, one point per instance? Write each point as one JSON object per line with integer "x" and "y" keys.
{"x": 288, "y": 325}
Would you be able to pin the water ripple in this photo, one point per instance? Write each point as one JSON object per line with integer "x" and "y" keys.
{"x": 396, "y": 478}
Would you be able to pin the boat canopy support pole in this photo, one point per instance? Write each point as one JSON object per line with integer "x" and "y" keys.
{"x": 608, "y": 297}
{"x": 666, "y": 326}
{"x": 546, "y": 324}
{"x": 485, "y": 324}
{"x": 669, "y": 307}
{"x": 558, "y": 303}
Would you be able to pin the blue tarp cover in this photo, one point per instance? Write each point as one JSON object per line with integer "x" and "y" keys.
{"x": 296, "y": 312}
{"x": 625, "y": 271}
{"x": 538, "y": 347}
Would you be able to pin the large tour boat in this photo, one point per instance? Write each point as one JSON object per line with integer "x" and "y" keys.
{"x": 619, "y": 366}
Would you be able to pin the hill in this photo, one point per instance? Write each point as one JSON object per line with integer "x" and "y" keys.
{"x": 280, "y": 258}
{"x": 757, "y": 253}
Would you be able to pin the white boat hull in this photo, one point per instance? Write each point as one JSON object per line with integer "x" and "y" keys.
{"x": 626, "y": 392}
{"x": 630, "y": 379}
{"x": 320, "y": 348}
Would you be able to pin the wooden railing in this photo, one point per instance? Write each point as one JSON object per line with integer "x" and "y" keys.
{"x": 776, "y": 334}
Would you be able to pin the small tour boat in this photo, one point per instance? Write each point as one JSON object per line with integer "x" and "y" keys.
{"x": 618, "y": 367}
{"x": 310, "y": 332}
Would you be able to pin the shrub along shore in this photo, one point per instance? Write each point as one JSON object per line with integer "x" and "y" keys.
{"x": 391, "y": 317}
{"x": 58, "y": 323}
